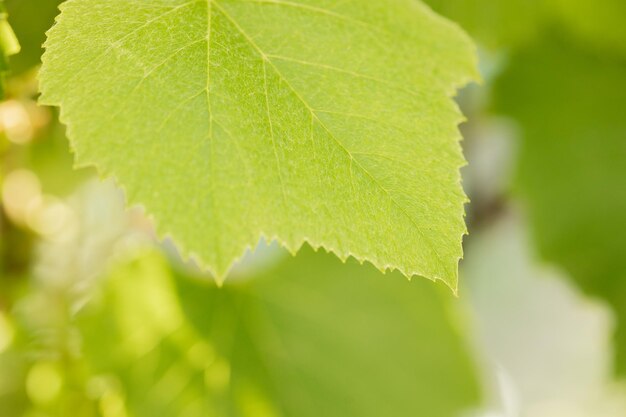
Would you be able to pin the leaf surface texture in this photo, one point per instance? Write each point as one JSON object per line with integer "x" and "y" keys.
{"x": 321, "y": 121}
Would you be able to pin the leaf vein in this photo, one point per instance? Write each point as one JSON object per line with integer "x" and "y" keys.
{"x": 343, "y": 71}
{"x": 119, "y": 42}
{"x": 264, "y": 57}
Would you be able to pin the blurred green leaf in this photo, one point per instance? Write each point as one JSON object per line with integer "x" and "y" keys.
{"x": 30, "y": 19}
{"x": 572, "y": 170}
{"x": 313, "y": 337}
{"x": 494, "y": 23}
{"x": 511, "y": 23}
{"x": 597, "y": 23}
{"x": 9, "y": 45}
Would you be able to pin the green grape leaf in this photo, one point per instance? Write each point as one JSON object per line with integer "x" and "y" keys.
{"x": 282, "y": 343}
{"x": 320, "y": 121}
{"x": 572, "y": 164}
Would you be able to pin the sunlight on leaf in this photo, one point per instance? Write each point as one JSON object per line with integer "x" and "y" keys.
{"x": 319, "y": 121}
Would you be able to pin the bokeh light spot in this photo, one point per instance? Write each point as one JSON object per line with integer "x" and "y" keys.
{"x": 44, "y": 382}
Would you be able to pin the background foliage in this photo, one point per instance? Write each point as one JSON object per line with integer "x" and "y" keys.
{"x": 99, "y": 319}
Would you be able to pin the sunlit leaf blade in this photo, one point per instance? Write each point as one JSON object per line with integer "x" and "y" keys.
{"x": 323, "y": 121}
{"x": 572, "y": 167}
{"x": 311, "y": 337}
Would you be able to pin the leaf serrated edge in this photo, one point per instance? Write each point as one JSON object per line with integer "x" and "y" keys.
{"x": 472, "y": 75}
